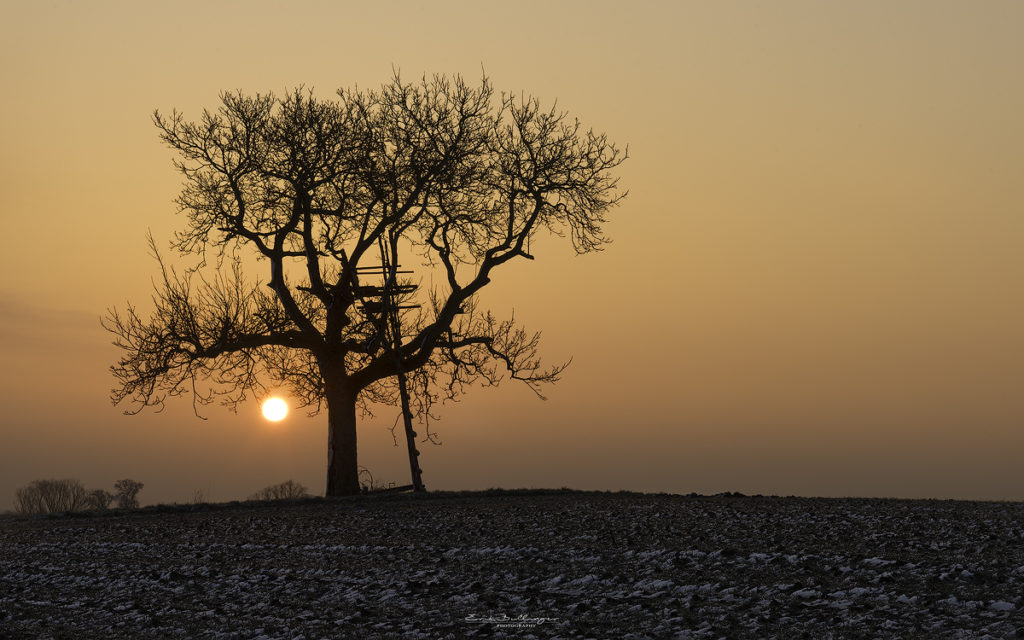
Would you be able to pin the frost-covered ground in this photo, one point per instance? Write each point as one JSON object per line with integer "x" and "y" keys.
{"x": 540, "y": 565}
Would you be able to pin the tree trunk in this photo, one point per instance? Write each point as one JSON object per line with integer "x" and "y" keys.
{"x": 342, "y": 462}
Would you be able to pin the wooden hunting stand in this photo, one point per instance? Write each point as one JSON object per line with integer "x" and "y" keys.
{"x": 382, "y": 309}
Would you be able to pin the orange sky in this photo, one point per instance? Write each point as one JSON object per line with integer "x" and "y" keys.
{"x": 815, "y": 285}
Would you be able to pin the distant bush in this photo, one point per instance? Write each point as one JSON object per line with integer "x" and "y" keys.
{"x": 127, "y": 490}
{"x": 284, "y": 491}
{"x": 51, "y": 496}
{"x": 64, "y": 496}
{"x": 99, "y": 499}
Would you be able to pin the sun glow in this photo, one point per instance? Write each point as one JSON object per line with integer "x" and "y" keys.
{"x": 275, "y": 409}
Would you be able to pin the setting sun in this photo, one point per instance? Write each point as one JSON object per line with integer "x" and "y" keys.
{"x": 275, "y": 409}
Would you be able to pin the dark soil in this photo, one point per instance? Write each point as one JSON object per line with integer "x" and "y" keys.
{"x": 526, "y": 564}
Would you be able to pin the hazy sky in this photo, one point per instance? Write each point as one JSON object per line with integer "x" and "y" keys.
{"x": 816, "y": 285}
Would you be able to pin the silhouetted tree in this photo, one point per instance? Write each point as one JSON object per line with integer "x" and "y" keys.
{"x": 286, "y": 490}
{"x": 51, "y": 496}
{"x": 317, "y": 190}
{"x": 100, "y": 499}
{"x": 127, "y": 492}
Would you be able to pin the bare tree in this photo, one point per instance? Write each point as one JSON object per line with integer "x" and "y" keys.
{"x": 127, "y": 492}
{"x": 100, "y": 499}
{"x": 27, "y": 501}
{"x": 51, "y": 496}
{"x": 286, "y": 490}
{"x": 323, "y": 191}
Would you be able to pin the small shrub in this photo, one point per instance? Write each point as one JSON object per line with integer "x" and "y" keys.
{"x": 367, "y": 484}
{"x": 285, "y": 491}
